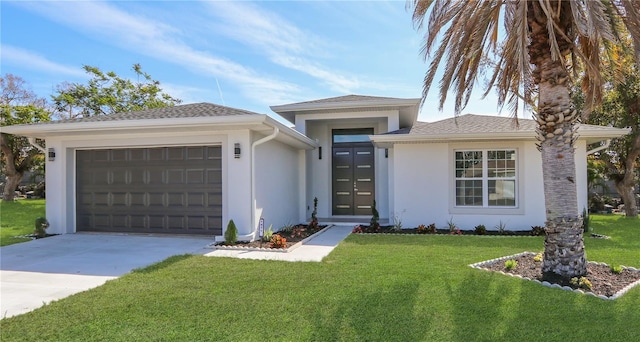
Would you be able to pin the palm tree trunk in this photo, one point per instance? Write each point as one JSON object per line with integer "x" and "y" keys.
{"x": 564, "y": 255}
{"x": 626, "y": 185}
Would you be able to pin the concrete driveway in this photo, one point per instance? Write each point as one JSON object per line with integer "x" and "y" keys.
{"x": 40, "y": 271}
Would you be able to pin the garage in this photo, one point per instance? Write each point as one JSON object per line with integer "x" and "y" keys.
{"x": 166, "y": 190}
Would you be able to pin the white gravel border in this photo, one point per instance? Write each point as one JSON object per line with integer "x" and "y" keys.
{"x": 479, "y": 265}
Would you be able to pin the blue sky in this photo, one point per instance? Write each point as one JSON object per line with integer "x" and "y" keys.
{"x": 259, "y": 53}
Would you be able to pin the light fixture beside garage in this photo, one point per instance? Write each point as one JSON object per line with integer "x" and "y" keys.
{"x": 52, "y": 154}
{"x": 236, "y": 150}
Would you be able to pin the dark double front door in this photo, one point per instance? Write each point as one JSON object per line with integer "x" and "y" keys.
{"x": 353, "y": 179}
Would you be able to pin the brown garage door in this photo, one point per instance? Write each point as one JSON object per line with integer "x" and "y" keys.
{"x": 174, "y": 190}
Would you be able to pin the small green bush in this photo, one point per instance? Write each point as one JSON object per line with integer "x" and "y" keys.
{"x": 480, "y": 229}
{"x": 374, "y": 224}
{"x": 287, "y": 228}
{"x": 41, "y": 226}
{"x": 268, "y": 234}
{"x": 313, "y": 225}
{"x": 231, "y": 234}
{"x": 510, "y": 264}
{"x": 616, "y": 269}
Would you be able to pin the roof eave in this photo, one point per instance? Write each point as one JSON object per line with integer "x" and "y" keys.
{"x": 258, "y": 122}
{"x": 388, "y": 140}
{"x": 345, "y": 105}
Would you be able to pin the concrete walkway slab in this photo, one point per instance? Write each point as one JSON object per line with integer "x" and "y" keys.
{"x": 37, "y": 272}
{"x": 313, "y": 250}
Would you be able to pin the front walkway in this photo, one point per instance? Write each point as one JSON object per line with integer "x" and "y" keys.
{"x": 313, "y": 250}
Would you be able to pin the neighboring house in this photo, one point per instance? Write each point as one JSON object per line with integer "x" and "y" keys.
{"x": 189, "y": 169}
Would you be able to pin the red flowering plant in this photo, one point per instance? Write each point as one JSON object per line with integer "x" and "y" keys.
{"x": 357, "y": 230}
{"x": 278, "y": 241}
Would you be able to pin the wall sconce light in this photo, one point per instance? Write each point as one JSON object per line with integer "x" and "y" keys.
{"x": 236, "y": 150}
{"x": 52, "y": 154}
{"x": 319, "y": 152}
{"x": 386, "y": 153}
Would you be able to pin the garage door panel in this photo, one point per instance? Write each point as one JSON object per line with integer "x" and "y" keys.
{"x": 175, "y": 153}
{"x": 175, "y": 176}
{"x": 196, "y": 200}
{"x": 160, "y": 190}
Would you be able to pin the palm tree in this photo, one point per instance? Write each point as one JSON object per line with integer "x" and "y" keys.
{"x": 532, "y": 60}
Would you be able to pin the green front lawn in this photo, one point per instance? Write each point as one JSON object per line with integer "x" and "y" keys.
{"x": 371, "y": 288}
{"x": 18, "y": 218}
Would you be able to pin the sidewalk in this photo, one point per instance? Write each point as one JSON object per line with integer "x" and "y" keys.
{"x": 313, "y": 250}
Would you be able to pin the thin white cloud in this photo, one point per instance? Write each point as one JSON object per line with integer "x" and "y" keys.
{"x": 282, "y": 42}
{"x": 159, "y": 40}
{"x": 31, "y": 60}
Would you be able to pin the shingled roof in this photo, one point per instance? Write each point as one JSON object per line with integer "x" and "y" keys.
{"x": 481, "y": 124}
{"x": 192, "y": 110}
{"x": 471, "y": 127}
{"x": 469, "y": 123}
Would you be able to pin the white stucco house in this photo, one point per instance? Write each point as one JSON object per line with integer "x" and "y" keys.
{"x": 189, "y": 169}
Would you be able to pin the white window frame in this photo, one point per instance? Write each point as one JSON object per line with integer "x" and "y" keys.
{"x": 454, "y": 208}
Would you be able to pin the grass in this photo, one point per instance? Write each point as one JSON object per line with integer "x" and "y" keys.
{"x": 18, "y": 218}
{"x": 371, "y": 288}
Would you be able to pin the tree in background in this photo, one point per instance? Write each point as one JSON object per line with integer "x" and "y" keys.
{"x": 18, "y": 105}
{"x": 107, "y": 93}
{"x": 620, "y": 108}
{"x": 531, "y": 59}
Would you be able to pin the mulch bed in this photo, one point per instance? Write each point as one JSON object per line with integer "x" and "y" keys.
{"x": 297, "y": 234}
{"x": 362, "y": 229}
{"x": 604, "y": 281}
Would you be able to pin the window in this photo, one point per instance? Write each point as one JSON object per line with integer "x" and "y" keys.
{"x": 485, "y": 178}
{"x": 352, "y": 135}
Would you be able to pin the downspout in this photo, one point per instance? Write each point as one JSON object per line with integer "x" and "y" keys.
{"x": 272, "y": 136}
{"x": 33, "y": 142}
{"x": 600, "y": 148}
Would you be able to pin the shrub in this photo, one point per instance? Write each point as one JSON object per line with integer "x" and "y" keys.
{"x": 616, "y": 269}
{"x": 374, "y": 224}
{"x": 538, "y": 257}
{"x": 313, "y": 225}
{"x": 397, "y": 221}
{"x": 480, "y": 229}
{"x": 430, "y": 229}
{"x": 581, "y": 282}
{"x": 268, "y": 234}
{"x": 422, "y": 229}
{"x": 457, "y": 231}
{"x": 41, "y": 226}
{"x": 287, "y": 228}
{"x": 357, "y": 230}
{"x": 501, "y": 227}
{"x": 510, "y": 264}
{"x": 278, "y": 241}
{"x": 452, "y": 226}
{"x": 537, "y": 230}
{"x": 231, "y": 234}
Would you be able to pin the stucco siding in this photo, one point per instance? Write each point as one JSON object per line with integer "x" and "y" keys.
{"x": 423, "y": 181}
{"x": 277, "y": 184}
